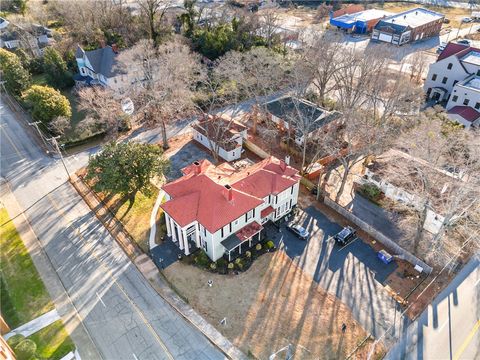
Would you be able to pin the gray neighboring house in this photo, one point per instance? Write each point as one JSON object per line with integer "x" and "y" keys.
{"x": 100, "y": 67}
{"x": 303, "y": 116}
{"x": 30, "y": 37}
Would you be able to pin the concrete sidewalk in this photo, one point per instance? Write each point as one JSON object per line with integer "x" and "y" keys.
{"x": 63, "y": 304}
{"x": 35, "y": 325}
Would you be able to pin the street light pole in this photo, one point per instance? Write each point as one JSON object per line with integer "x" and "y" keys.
{"x": 55, "y": 144}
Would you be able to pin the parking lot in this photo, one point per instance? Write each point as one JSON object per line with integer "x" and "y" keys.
{"x": 353, "y": 273}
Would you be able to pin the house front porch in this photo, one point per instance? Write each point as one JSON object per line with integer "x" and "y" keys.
{"x": 244, "y": 239}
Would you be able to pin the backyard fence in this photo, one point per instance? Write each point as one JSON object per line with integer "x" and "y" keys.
{"x": 255, "y": 149}
{"x": 393, "y": 246}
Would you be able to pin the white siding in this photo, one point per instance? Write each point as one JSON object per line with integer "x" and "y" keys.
{"x": 440, "y": 69}
{"x": 226, "y": 155}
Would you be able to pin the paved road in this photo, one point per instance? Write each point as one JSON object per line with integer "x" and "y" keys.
{"x": 353, "y": 273}
{"x": 121, "y": 311}
{"x": 450, "y": 327}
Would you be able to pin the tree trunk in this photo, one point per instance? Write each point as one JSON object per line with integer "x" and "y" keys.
{"x": 164, "y": 135}
{"x": 304, "y": 155}
{"x": 342, "y": 185}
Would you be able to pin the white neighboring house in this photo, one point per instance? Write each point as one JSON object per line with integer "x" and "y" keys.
{"x": 100, "y": 67}
{"x": 372, "y": 174}
{"x": 454, "y": 78}
{"x": 223, "y": 211}
{"x": 224, "y": 137}
{"x": 304, "y": 117}
{"x": 30, "y": 37}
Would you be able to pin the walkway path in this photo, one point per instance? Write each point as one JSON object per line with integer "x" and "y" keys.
{"x": 35, "y": 325}
{"x": 153, "y": 220}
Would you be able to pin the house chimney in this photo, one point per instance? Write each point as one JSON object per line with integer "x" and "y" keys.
{"x": 115, "y": 48}
{"x": 196, "y": 166}
{"x": 287, "y": 159}
{"x": 283, "y": 165}
{"x": 228, "y": 192}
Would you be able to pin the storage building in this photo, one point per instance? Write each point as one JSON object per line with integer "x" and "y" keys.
{"x": 408, "y": 26}
{"x": 360, "y": 22}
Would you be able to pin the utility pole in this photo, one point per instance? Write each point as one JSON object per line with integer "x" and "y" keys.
{"x": 35, "y": 125}
{"x": 54, "y": 141}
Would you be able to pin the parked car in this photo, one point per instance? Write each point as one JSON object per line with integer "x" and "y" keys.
{"x": 299, "y": 231}
{"x": 467, "y": 20}
{"x": 464, "y": 42}
{"x": 441, "y": 47}
{"x": 348, "y": 234}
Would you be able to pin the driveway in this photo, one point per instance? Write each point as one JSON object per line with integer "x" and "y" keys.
{"x": 353, "y": 273}
{"x": 186, "y": 155}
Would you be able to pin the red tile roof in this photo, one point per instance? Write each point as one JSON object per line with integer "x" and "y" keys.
{"x": 451, "y": 49}
{"x": 465, "y": 112}
{"x": 248, "y": 231}
{"x": 200, "y": 194}
{"x": 267, "y": 211}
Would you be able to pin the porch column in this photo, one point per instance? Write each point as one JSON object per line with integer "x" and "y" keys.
{"x": 197, "y": 235}
{"x": 172, "y": 228}
{"x": 180, "y": 239}
{"x": 167, "y": 221}
{"x": 185, "y": 240}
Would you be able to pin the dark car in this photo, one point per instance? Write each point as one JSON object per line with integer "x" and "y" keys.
{"x": 345, "y": 236}
{"x": 464, "y": 42}
{"x": 299, "y": 231}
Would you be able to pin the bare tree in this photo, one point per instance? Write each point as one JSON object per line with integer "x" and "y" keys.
{"x": 254, "y": 74}
{"x": 103, "y": 105}
{"x": 442, "y": 172}
{"x": 154, "y": 12}
{"x": 269, "y": 26}
{"x": 322, "y": 61}
{"x": 165, "y": 79}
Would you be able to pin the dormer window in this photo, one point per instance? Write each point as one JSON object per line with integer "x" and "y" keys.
{"x": 449, "y": 66}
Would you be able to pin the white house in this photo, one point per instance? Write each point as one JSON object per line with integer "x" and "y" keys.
{"x": 223, "y": 211}
{"x": 100, "y": 67}
{"x": 455, "y": 78}
{"x": 302, "y": 116}
{"x": 223, "y": 136}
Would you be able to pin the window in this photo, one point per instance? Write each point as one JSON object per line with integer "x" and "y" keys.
{"x": 466, "y": 101}
{"x": 449, "y": 66}
{"x": 291, "y": 190}
{"x": 478, "y": 72}
{"x": 221, "y": 232}
{"x": 434, "y": 77}
{"x": 444, "y": 80}
{"x": 477, "y": 105}
{"x": 455, "y": 82}
{"x": 454, "y": 98}
{"x": 249, "y": 215}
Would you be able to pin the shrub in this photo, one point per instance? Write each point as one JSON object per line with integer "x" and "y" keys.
{"x": 248, "y": 254}
{"x": 239, "y": 264}
{"x": 47, "y": 103}
{"x": 202, "y": 259}
{"x": 213, "y": 266}
{"x": 230, "y": 266}
{"x": 269, "y": 244}
{"x": 258, "y": 247}
{"x": 15, "y": 340}
{"x": 370, "y": 191}
{"x": 16, "y": 78}
{"x": 25, "y": 350}
{"x": 221, "y": 263}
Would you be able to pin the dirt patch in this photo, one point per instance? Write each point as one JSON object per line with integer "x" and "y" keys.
{"x": 271, "y": 305}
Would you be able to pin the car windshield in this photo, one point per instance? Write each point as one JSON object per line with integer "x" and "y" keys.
{"x": 344, "y": 233}
{"x": 300, "y": 229}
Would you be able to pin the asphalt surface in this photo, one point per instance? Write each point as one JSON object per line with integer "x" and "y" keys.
{"x": 450, "y": 327}
{"x": 122, "y": 313}
{"x": 352, "y": 273}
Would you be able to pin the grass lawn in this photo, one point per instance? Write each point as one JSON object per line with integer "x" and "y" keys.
{"x": 137, "y": 219}
{"x": 24, "y": 297}
{"x": 23, "y": 294}
{"x": 53, "y": 341}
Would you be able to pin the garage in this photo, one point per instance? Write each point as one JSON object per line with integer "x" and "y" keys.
{"x": 385, "y": 37}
